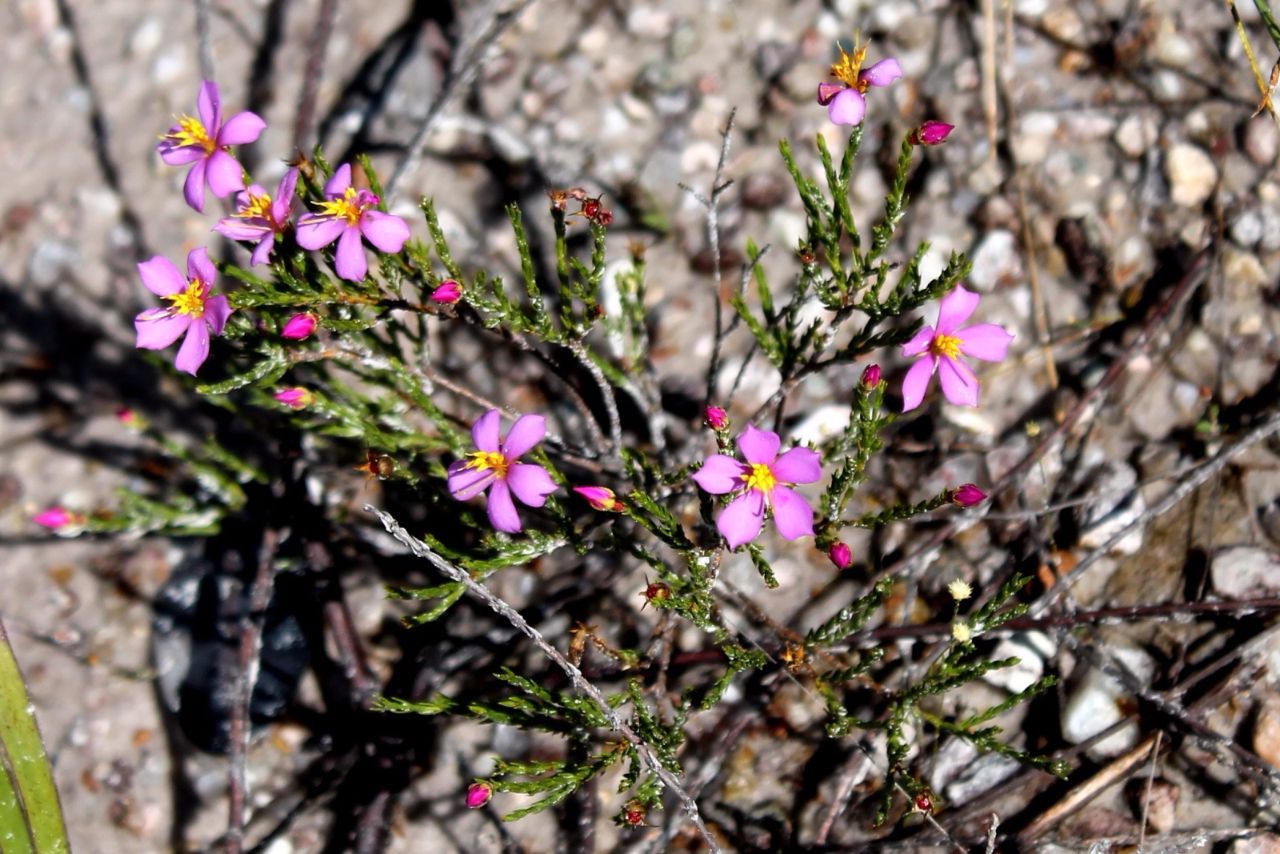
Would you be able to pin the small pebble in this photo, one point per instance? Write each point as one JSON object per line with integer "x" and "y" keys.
{"x": 1192, "y": 175}
{"x": 1261, "y": 140}
{"x": 1242, "y": 571}
{"x": 996, "y": 261}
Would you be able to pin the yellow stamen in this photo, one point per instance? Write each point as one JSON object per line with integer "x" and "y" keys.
{"x": 259, "y": 207}
{"x": 191, "y": 300}
{"x": 346, "y": 207}
{"x": 190, "y": 132}
{"x": 761, "y": 478}
{"x": 491, "y": 460}
{"x": 945, "y": 346}
{"x": 847, "y": 67}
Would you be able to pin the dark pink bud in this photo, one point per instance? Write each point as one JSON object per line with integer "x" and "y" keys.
{"x": 931, "y": 133}
{"x": 299, "y": 327}
{"x": 447, "y": 292}
{"x": 478, "y": 794}
{"x": 600, "y": 497}
{"x": 841, "y": 555}
{"x": 55, "y": 517}
{"x": 967, "y": 495}
{"x": 717, "y": 417}
{"x": 294, "y": 398}
{"x": 871, "y": 376}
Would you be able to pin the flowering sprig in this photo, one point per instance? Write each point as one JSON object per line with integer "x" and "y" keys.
{"x": 762, "y": 483}
{"x": 494, "y": 467}
{"x": 192, "y": 311}
{"x": 203, "y": 141}
{"x": 844, "y": 100}
{"x": 260, "y": 218}
{"x": 942, "y": 346}
{"x": 346, "y": 216}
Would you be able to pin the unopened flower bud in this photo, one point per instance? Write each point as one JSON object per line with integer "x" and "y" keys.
{"x": 656, "y": 591}
{"x": 478, "y": 794}
{"x": 931, "y": 133}
{"x": 871, "y": 376}
{"x": 967, "y": 495}
{"x": 841, "y": 555}
{"x": 633, "y": 814}
{"x": 56, "y": 517}
{"x": 294, "y": 398}
{"x": 299, "y": 327}
{"x": 600, "y": 497}
{"x": 447, "y": 292}
{"x": 130, "y": 418}
{"x": 717, "y": 418}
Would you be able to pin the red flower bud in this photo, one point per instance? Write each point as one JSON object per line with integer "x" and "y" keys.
{"x": 717, "y": 418}
{"x": 299, "y": 327}
{"x": 841, "y": 555}
{"x": 56, "y": 517}
{"x": 447, "y": 292}
{"x": 871, "y": 376}
{"x": 599, "y": 497}
{"x": 478, "y": 794}
{"x": 931, "y": 133}
{"x": 967, "y": 495}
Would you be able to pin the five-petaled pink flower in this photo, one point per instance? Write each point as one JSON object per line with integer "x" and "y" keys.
{"x": 203, "y": 143}
{"x": 942, "y": 347}
{"x": 844, "y": 100}
{"x": 191, "y": 311}
{"x": 259, "y": 217}
{"x": 763, "y": 482}
{"x": 348, "y": 214}
{"x": 493, "y": 467}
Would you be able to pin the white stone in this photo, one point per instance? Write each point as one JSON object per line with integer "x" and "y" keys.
{"x": 1136, "y": 135}
{"x": 822, "y": 424}
{"x": 1261, "y": 140}
{"x": 1192, "y": 175}
{"x": 1095, "y": 705}
{"x": 1030, "y": 666}
{"x": 996, "y": 260}
{"x": 1242, "y": 571}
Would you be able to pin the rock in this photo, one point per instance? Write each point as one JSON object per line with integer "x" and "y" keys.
{"x": 1031, "y": 649}
{"x": 1192, "y": 175}
{"x": 1266, "y": 731}
{"x": 1117, "y": 505}
{"x": 989, "y": 770}
{"x": 1160, "y": 805}
{"x": 49, "y": 261}
{"x": 1266, "y": 843}
{"x": 1136, "y": 135}
{"x": 996, "y": 260}
{"x": 1261, "y": 140}
{"x": 650, "y": 23}
{"x": 1096, "y": 704}
{"x": 1246, "y": 230}
{"x": 825, "y": 422}
{"x": 1242, "y": 571}
{"x": 764, "y": 190}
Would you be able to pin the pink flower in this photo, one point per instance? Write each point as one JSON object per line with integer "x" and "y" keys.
{"x": 447, "y": 292}
{"x": 299, "y": 327}
{"x": 942, "y": 348}
{"x": 192, "y": 312}
{"x": 493, "y": 467}
{"x": 931, "y": 133}
{"x": 478, "y": 794}
{"x": 260, "y": 218}
{"x": 844, "y": 100}
{"x": 294, "y": 398}
{"x": 871, "y": 376}
{"x": 348, "y": 214}
{"x": 56, "y": 517}
{"x": 203, "y": 143}
{"x": 762, "y": 482}
{"x": 600, "y": 497}
{"x": 841, "y": 555}
{"x": 717, "y": 418}
{"x": 967, "y": 495}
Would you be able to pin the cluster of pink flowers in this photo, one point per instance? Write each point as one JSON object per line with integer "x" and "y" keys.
{"x": 348, "y": 215}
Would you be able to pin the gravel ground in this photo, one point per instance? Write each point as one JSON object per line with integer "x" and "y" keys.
{"x": 1114, "y": 155}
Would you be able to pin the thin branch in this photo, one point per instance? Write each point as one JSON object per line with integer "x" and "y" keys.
{"x": 204, "y": 42}
{"x": 606, "y": 393}
{"x": 579, "y": 682}
{"x": 304, "y": 119}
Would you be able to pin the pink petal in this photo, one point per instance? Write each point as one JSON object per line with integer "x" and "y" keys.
{"x": 881, "y": 73}
{"x": 177, "y": 155}
{"x": 531, "y": 484}
{"x": 161, "y": 276}
{"x": 524, "y": 434}
{"x": 194, "y": 349}
{"x": 720, "y": 475}
{"x": 827, "y": 91}
{"x": 791, "y": 513}
{"x": 916, "y": 382}
{"x": 216, "y": 311}
{"x": 157, "y": 328}
{"x": 485, "y": 431}
{"x": 466, "y": 482}
{"x": 847, "y": 108}
{"x": 209, "y": 106}
{"x": 386, "y": 232}
{"x": 919, "y": 342}
{"x": 986, "y": 341}
{"x": 338, "y": 183}
{"x": 241, "y": 128}
{"x": 200, "y": 267}
{"x": 243, "y": 229}
{"x": 349, "y": 260}
{"x": 317, "y": 232}
{"x": 502, "y": 510}
{"x": 740, "y": 522}
{"x": 798, "y": 465}
{"x": 955, "y": 309}
{"x": 759, "y": 446}
{"x": 282, "y": 204}
{"x": 193, "y": 187}
{"x": 958, "y": 382}
{"x": 262, "y": 252}
{"x": 225, "y": 174}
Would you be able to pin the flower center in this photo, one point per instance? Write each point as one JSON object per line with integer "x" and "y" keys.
{"x": 760, "y": 477}
{"x": 190, "y": 133}
{"x": 491, "y": 460}
{"x": 350, "y": 205}
{"x": 945, "y": 346}
{"x": 846, "y": 68}
{"x": 190, "y": 301}
{"x": 258, "y": 207}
